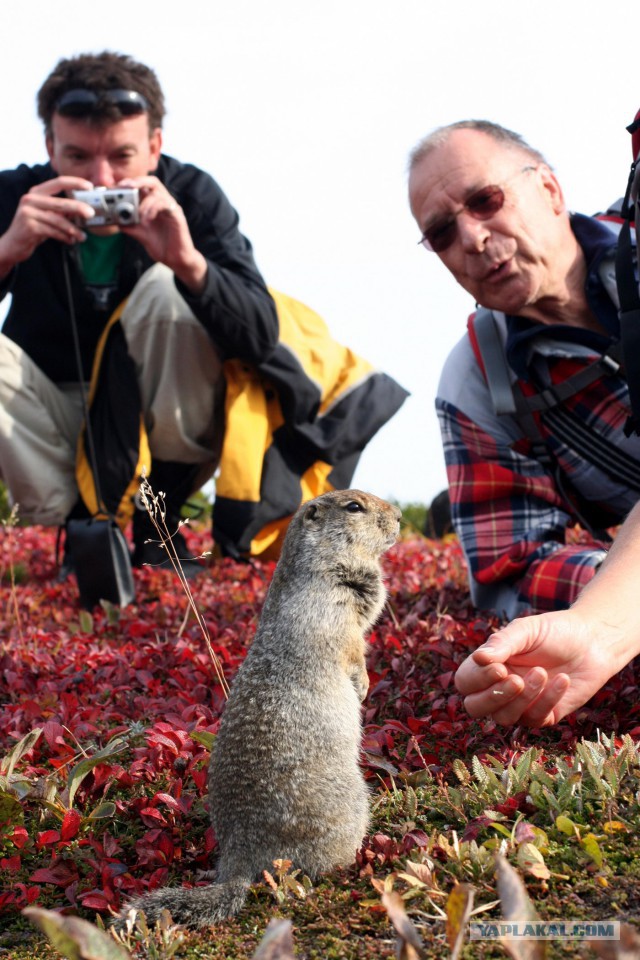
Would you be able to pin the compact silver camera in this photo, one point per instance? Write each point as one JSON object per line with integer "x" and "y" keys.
{"x": 112, "y": 205}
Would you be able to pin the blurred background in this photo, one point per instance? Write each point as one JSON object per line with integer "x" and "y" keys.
{"x": 305, "y": 113}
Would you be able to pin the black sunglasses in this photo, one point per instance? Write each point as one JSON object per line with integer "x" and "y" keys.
{"x": 481, "y": 205}
{"x": 81, "y": 103}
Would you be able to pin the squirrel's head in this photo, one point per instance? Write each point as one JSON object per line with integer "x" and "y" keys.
{"x": 344, "y": 519}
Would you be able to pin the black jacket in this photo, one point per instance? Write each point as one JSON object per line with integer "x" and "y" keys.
{"x": 235, "y": 308}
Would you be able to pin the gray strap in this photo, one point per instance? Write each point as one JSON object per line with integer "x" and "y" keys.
{"x": 495, "y": 362}
{"x": 504, "y": 393}
{"x": 508, "y": 398}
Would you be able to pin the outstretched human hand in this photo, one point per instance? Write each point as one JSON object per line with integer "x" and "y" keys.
{"x": 538, "y": 669}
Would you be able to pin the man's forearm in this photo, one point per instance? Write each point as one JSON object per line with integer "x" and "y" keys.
{"x": 193, "y": 274}
{"x": 238, "y": 313}
{"x": 617, "y": 578}
{"x": 611, "y": 597}
{"x": 6, "y": 262}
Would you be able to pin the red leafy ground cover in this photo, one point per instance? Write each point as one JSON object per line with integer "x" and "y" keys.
{"x": 109, "y": 800}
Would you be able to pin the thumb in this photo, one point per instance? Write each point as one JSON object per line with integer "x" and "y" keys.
{"x": 519, "y": 636}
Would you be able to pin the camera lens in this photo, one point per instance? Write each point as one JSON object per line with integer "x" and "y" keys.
{"x": 125, "y": 212}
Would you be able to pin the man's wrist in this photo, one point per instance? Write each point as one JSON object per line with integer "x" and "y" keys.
{"x": 193, "y": 275}
{"x": 612, "y": 623}
{"x": 6, "y": 264}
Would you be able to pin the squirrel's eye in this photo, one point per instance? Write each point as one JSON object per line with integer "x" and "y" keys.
{"x": 354, "y": 507}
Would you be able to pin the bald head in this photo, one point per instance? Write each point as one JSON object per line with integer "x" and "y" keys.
{"x": 494, "y": 212}
{"x": 502, "y": 136}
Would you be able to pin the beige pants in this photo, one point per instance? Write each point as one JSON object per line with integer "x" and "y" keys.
{"x": 181, "y": 386}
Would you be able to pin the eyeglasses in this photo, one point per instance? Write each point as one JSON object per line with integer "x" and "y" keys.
{"x": 81, "y": 103}
{"x": 481, "y": 205}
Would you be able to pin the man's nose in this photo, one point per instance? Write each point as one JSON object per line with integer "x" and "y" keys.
{"x": 473, "y": 233}
{"x": 101, "y": 173}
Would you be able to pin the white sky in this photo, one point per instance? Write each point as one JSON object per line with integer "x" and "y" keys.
{"x": 305, "y": 111}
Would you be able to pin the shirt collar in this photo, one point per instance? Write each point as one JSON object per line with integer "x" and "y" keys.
{"x": 598, "y": 243}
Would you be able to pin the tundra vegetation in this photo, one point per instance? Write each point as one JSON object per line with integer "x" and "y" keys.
{"x": 106, "y": 723}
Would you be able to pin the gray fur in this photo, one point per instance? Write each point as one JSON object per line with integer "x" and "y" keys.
{"x": 284, "y": 777}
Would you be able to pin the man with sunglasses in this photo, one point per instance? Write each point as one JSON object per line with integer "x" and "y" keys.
{"x": 490, "y": 207}
{"x": 191, "y": 292}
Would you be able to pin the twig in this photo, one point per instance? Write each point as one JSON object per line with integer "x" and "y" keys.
{"x": 155, "y": 507}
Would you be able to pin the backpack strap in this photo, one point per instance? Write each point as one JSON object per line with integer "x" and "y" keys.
{"x": 627, "y": 283}
{"x": 489, "y": 350}
{"x": 508, "y": 398}
{"x": 506, "y": 395}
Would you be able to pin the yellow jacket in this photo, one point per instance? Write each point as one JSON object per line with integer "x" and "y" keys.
{"x": 295, "y": 426}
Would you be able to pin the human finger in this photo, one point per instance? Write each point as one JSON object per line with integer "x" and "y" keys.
{"x": 155, "y": 201}
{"x": 486, "y": 702}
{"x": 472, "y": 677}
{"x": 39, "y": 220}
{"x": 62, "y": 184}
{"x": 144, "y": 183}
{"x": 37, "y": 203}
{"x": 52, "y": 227}
{"x": 149, "y": 188}
{"x": 533, "y": 685}
{"x": 160, "y": 205}
{"x": 543, "y": 711}
{"x": 515, "y": 638}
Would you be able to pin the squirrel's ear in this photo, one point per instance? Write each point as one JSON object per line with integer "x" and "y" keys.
{"x": 311, "y": 512}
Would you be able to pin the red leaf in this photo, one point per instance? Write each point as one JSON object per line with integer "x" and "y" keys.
{"x": 416, "y": 725}
{"x": 47, "y": 837}
{"x": 53, "y": 732}
{"x": 96, "y": 901}
{"x": 61, "y": 874}
{"x": 165, "y": 741}
{"x": 70, "y": 824}
{"x": 415, "y": 838}
{"x": 153, "y": 815}
{"x": 19, "y": 837}
{"x": 445, "y": 679}
{"x": 170, "y": 801}
{"x": 209, "y": 840}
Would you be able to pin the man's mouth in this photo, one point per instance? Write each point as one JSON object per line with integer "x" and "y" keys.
{"x": 498, "y": 271}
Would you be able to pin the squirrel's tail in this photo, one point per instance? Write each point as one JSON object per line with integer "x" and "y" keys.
{"x": 194, "y": 907}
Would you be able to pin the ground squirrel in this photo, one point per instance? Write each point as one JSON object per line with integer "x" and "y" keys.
{"x": 284, "y": 777}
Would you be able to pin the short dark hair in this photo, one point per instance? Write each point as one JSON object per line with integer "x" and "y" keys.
{"x": 100, "y": 72}
{"x": 440, "y": 135}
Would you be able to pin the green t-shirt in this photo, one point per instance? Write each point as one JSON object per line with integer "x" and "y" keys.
{"x": 100, "y": 262}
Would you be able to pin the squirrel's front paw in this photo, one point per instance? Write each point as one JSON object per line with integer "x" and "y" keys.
{"x": 360, "y": 681}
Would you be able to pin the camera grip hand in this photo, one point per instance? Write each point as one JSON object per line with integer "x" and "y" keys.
{"x": 164, "y": 233}
{"x": 42, "y": 214}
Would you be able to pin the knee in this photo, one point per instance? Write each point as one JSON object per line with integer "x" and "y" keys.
{"x": 155, "y": 298}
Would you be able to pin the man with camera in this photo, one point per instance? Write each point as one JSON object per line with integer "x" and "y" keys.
{"x": 141, "y": 337}
{"x": 111, "y": 224}
{"x": 534, "y": 402}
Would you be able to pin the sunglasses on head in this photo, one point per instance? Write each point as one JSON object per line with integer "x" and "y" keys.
{"x": 82, "y": 103}
{"x": 481, "y": 205}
